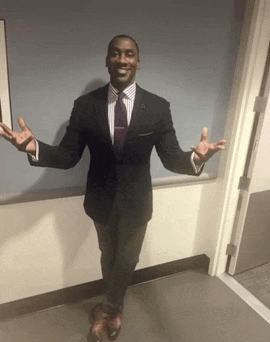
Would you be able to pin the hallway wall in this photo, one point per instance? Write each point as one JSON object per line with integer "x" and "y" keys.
{"x": 51, "y": 244}
{"x": 56, "y": 52}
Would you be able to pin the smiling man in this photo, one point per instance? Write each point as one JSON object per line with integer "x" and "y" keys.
{"x": 120, "y": 124}
{"x": 122, "y": 61}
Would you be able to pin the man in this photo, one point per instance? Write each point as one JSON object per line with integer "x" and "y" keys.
{"x": 120, "y": 123}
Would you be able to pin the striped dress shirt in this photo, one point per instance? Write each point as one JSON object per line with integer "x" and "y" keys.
{"x": 128, "y": 99}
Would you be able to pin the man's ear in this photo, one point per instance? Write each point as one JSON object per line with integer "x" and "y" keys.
{"x": 138, "y": 65}
{"x": 106, "y": 62}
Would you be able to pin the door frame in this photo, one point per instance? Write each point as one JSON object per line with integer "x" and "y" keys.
{"x": 5, "y": 107}
{"x": 249, "y": 71}
{"x": 238, "y": 264}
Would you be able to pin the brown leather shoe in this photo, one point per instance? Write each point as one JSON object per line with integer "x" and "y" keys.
{"x": 99, "y": 327}
{"x": 114, "y": 326}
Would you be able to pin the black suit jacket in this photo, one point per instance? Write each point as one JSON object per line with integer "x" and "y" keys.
{"x": 119, "y": 181}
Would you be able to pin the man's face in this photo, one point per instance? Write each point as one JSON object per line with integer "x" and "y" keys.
{"x": 122, "y": 62}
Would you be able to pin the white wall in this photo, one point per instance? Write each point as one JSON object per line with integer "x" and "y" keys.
{"x": 52, "y": 244}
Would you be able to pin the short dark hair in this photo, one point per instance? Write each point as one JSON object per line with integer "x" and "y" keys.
{"x": 122, "y": 36}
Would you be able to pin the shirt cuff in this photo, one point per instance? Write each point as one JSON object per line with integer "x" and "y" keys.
{"x": 35, "y": 157}
{"x": 196, "y": 168}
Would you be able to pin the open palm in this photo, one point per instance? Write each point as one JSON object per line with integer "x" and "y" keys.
{"x": 24, "y": 140}
{"x": 206, "y": 150}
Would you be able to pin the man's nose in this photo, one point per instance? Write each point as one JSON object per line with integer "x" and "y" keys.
{"x": 123, "y": 59}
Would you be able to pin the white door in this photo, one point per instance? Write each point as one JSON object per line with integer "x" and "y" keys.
{"x": 250, "y": 244}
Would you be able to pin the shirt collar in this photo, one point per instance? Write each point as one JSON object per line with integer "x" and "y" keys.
{"x": 129, "y": 92}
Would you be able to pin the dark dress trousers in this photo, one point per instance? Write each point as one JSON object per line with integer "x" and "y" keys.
{"x": 121, "y": 178}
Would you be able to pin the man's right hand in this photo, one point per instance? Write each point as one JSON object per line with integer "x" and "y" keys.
{"x": 24, "y": 140}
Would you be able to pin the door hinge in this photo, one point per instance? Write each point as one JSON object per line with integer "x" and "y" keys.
{"x": 231, "y": 249}
{"x": 260, "y": 104}
{"x": 244, "y": 183}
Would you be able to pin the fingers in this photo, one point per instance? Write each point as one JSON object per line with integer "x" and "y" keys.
{"x": 19, "y": 140}
{"x": 5, "y": 131}
{"x": 22, "y": 124}
{"x": 5, "y": 135}
{"x": 221, "y": 142}
{"x": 218, "y": 148}
{"x": 204, "y": 134}
{"x": 220, "y": 145}
{"x": 5, "y": 128}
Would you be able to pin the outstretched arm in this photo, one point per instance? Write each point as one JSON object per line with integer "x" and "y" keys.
{"x": 65, "y": 155}
{"x": 206, "y": 150}
{"x": 23, "y": 141}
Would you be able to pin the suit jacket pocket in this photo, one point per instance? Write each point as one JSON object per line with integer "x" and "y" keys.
{"x": 145, "y": 134}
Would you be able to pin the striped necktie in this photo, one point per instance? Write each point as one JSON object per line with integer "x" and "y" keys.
{"x": 120, "y": 121}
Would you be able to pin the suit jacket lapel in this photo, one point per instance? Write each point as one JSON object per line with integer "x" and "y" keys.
{"x": 138, "y": 109}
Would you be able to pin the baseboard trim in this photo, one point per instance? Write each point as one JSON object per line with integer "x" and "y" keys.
{"x": 95, "y": 288}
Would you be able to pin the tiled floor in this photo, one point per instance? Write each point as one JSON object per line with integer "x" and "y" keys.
{"x": 257, "y": 282}
{"x": 187, "y": 307}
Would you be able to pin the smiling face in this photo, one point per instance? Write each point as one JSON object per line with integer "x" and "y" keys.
{"x": 122, "y": 62}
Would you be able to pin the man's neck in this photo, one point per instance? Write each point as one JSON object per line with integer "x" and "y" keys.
{"x": 121, "y": 87}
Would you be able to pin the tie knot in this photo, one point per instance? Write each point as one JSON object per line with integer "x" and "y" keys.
{"x": 120, "y": 94}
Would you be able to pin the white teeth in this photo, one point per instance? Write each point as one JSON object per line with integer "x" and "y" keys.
{"x": 122, "y": 71}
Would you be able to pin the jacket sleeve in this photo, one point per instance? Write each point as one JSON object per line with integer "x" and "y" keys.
{"x": 172, "y": 156}
{"x": 69, "y": 151}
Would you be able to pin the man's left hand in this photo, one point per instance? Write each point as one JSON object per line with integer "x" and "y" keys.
{"x": 206, "y": 150}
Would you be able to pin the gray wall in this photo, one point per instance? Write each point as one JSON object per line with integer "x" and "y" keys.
{"x": 56, "y": 52}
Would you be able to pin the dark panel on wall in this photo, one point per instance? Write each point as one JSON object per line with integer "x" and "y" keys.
{"x": 254, "y": 248}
